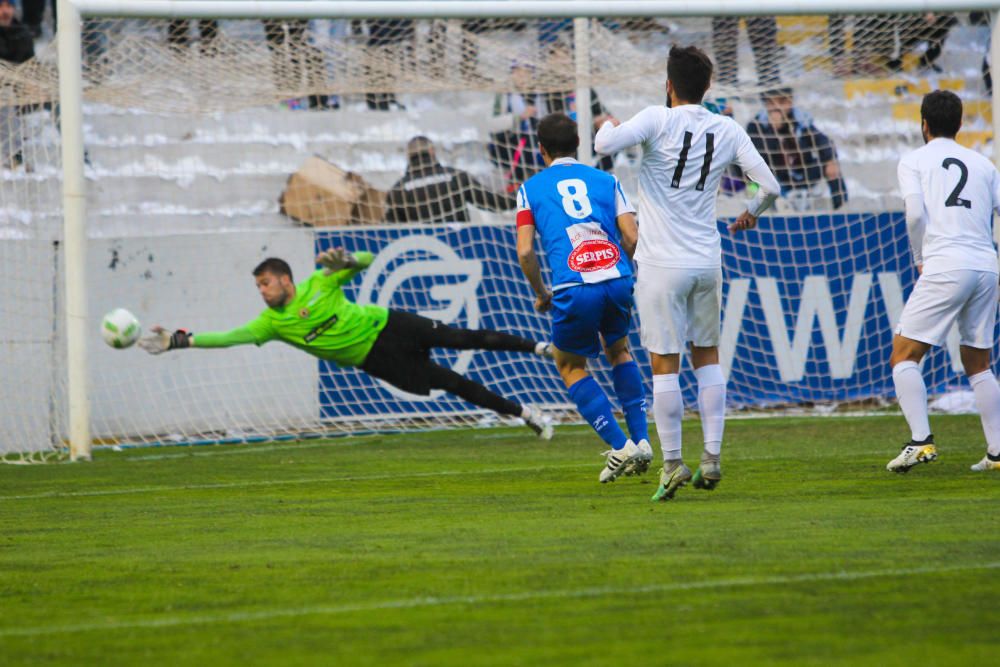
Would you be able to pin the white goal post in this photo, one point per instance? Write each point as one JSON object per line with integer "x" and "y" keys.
{"x": 72, "y": 12}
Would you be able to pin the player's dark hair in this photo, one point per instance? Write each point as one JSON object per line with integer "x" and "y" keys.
{"x": 942, "y": 110}
{"x": 689, "y": 70}
{"x": 558, "y": 136}
{"x": 278, "y": 267}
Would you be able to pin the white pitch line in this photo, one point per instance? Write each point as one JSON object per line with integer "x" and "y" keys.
{"x": 233, "y": 449}
{"x": 290, "y": 482}
{"x": 499, "y": 598}
{"x": 321, "y": 480}
{"x": 229, "y": 450}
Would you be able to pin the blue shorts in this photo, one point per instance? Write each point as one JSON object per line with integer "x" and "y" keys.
{"x": 580, "y": 313}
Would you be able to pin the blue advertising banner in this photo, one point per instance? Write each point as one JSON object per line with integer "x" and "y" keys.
{"x": 809, "y": 307}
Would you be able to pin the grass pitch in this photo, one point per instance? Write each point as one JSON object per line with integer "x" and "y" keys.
{"x": 489, "y": 547}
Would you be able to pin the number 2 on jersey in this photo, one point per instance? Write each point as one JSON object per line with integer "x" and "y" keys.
{"x": 706, "y": 166}
{"x": 575, "y": 201}
{"x": 963, "y": 176}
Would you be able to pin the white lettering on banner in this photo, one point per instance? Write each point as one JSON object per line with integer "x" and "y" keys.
{"x": 892, "y": 296}
{"x": 732, "y": 322}
{"x": 815, "y": 301}
{"x": 457, "y": 298}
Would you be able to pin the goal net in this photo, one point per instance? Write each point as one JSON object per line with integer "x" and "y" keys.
{"x": 211, "y": 145}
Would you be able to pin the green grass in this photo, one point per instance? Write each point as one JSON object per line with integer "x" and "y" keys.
{"x": 488, "y": 547}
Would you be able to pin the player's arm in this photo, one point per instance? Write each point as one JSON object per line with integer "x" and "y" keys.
{"x": 628, "y": 230}
{"x": 753, "y": 165}
{"x": 341, "y": 265}
{"x": 160, "y": 340}
{"x": 913, "y": 208}
{"x": 636, "y": 130}
{"x": 526, "y": 255}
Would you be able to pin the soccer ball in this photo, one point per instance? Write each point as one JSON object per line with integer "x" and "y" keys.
{"x": 120, "y": 328}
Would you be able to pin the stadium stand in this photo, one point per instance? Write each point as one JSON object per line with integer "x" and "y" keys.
{"x": 206, "y": 171}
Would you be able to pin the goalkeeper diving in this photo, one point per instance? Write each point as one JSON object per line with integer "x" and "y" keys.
{"x": 393, "y": 345}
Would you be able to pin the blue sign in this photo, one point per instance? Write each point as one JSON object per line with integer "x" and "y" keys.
{"x": 809, "y": 307}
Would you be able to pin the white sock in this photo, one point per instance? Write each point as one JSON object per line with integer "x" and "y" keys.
{"x": 668, "y": 410}
{"x": 912, "y": 395}
{"x": 712, "y": 405}
{"x": 984, "y": 386}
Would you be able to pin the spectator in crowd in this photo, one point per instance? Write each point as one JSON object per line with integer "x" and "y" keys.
{"x": 514, "y": 144}
{"x": 916, "y": 28}
{"x": 800, "y": 156}
{"x": 560, "y": 60}
{"x": 471, "y": 29}
{"x": 32, "y": 13}
{"x": 763, "y": 34}
{"x": 514, "y": 127}
{"x": 295, "y": 61}
{"x": 178, "y": 34}
{"x": 16, "y": 47}
{"x": 430, "y": 192}
{"x": 396, "y": 39}
{"x": 875, "y": 39}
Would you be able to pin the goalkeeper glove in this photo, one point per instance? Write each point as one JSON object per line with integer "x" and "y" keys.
{"x": 161, "y": 340}
{"x": 335, "y": 260}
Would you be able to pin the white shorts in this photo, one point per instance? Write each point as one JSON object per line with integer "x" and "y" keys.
{"x": 677, "y": 306}
{"x": 939, "y": 299}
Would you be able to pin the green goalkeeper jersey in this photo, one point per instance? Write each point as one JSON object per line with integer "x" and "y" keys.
{"x": 320, "y": 320}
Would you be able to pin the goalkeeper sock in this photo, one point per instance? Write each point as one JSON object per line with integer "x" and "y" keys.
{"x": 668, "y": 410}
{"x": 712, "y": 405}
{"x": 632, "y": 395}
{"x": 595, "y": 407}
{"x": 987, "y": 393}
{"x": 912, "y": 395}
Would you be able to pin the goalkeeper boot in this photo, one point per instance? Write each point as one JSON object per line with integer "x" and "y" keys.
{"x": 538, "y": 422}
{"x": 618, "y": 460}
{"x": 913, "y": 453}
{"x": 709, "y": 472}
{"x": 673, "y": 476}
{"x": 989, "y": 462}
{"x": 641, "y": 463}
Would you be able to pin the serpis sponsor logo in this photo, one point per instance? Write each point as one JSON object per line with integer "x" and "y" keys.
{"x": 594, "y": 255}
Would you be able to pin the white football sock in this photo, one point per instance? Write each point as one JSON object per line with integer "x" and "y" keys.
{"x": 712, "y": 405}
{"x": 668, "y": 410}
{"x": 912, "y": 395}
{"x": 984, "y": 386}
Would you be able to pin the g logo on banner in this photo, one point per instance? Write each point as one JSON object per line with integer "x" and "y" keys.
{"x": 457, "y": 297}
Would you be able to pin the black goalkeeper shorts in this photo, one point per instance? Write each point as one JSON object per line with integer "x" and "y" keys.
{"x": 401, "y": 353}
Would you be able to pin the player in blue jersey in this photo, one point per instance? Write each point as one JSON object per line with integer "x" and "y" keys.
{"x": 588, "y": 231}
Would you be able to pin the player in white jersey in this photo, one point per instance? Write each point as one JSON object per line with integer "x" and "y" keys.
{"x": 686, "y": 150}
{"x": 949, "y": 193}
